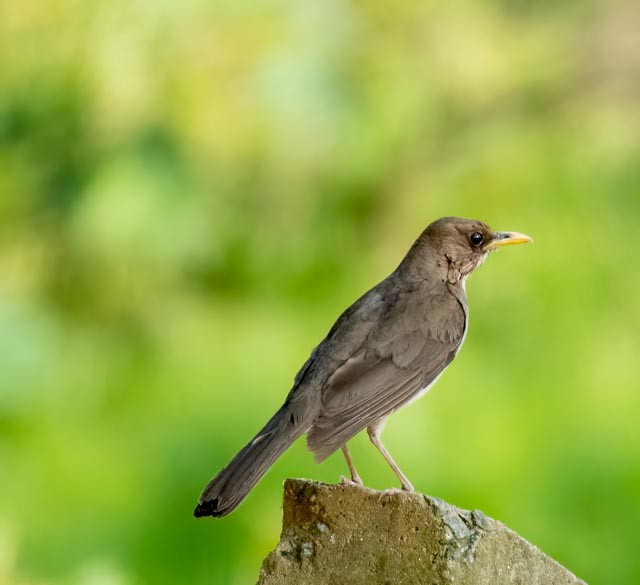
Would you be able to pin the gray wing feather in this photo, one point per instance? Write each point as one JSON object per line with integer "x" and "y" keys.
{"x": 345, "y": 415}
{"x": 381, "y": 378}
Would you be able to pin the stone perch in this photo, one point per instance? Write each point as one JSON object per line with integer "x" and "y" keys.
{"x": 348, "y": 535}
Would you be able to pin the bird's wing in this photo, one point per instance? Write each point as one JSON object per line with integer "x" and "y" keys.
{"x": 385, "y": 374}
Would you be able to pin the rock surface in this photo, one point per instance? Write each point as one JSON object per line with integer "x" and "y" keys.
{"x": 348, "y": 535}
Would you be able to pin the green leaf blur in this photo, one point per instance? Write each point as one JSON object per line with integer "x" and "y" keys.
{"x": 191, "y": 192}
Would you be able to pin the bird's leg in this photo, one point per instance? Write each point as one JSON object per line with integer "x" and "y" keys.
{"x": 355, "y": 478}
{"x": 374, "y": 432}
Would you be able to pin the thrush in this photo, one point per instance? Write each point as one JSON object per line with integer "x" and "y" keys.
{"x": 385, "y": 351}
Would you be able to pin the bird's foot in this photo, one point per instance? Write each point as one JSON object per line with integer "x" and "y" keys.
{"x": 353, "y": 481}
{"x": 407, "y": 486}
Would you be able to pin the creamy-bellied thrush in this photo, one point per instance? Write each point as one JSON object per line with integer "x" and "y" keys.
{"x": 385, "y": 351}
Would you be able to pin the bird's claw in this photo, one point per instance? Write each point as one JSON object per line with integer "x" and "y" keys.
{"x": 407, "y": 487}
{"x": 351, "y": 481}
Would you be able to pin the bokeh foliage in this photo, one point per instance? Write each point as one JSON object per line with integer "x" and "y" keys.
{"x": 191, "y": 192}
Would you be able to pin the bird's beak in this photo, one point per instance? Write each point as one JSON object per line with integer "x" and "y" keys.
{"x": 499, "y": 239}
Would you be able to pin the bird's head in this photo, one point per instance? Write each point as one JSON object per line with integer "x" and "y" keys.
{"x": 454, "y": 247}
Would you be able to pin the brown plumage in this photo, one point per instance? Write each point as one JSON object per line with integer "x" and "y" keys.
{"x": 383, "y": 352}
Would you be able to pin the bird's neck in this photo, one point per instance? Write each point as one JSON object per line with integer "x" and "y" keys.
{"x": 433, "y": 274}
{"x": 421, "y": 264}
{"x": 424, "y": 264}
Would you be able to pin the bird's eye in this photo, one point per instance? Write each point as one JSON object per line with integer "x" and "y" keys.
{"x": 476, "y": 238}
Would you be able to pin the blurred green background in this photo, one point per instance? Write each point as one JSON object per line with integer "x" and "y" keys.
{"x": 191, "y": 192}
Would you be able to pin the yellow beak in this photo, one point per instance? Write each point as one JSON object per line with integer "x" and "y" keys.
{"x": 500, "y": 239}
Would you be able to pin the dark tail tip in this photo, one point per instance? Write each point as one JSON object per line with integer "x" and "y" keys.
{"x": 207, "y": 508}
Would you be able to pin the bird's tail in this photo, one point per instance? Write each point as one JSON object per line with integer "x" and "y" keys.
{"x": 227, "y": 489}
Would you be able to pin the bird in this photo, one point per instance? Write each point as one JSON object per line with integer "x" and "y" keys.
{"x": 385, "y": 351}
